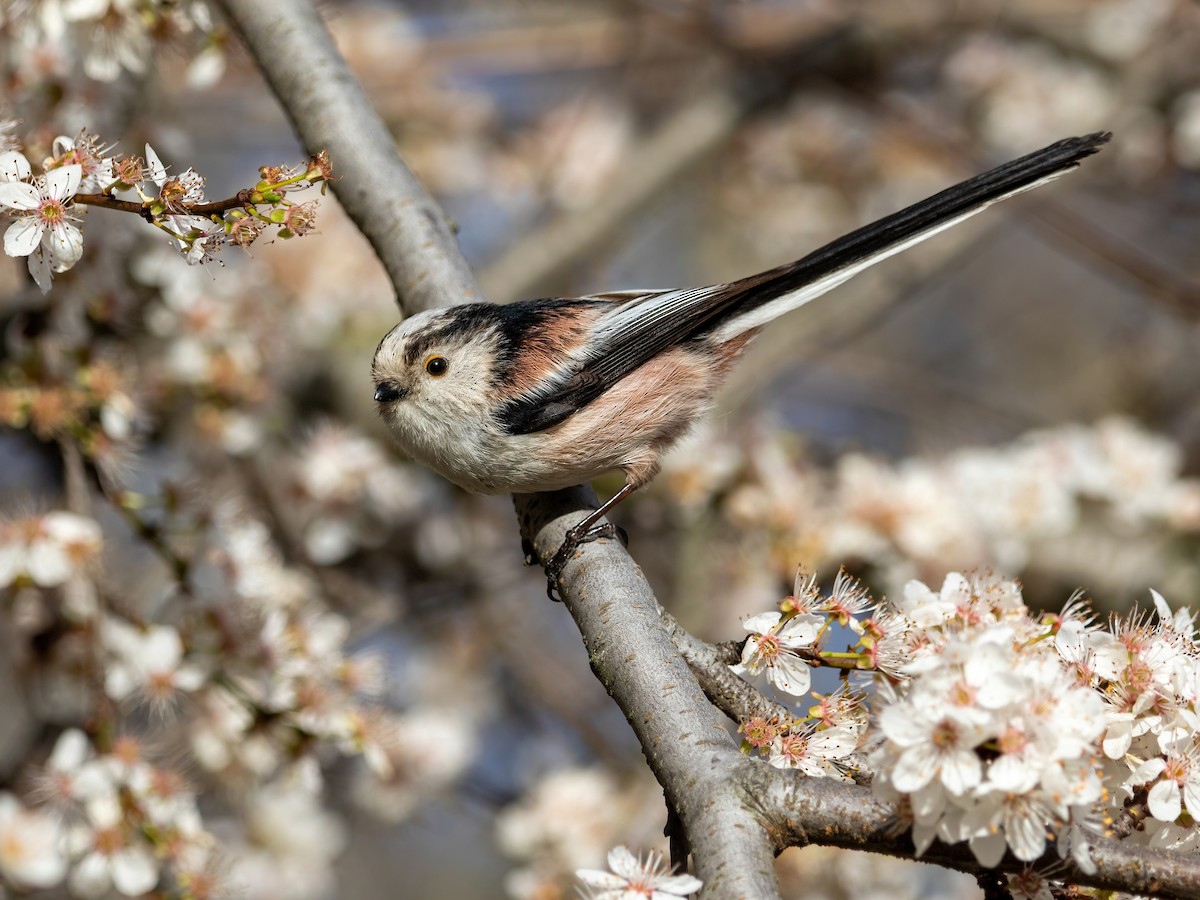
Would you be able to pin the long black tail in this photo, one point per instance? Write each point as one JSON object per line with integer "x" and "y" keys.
{"x": 762, "y": 297}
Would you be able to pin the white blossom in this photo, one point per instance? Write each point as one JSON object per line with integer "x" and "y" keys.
{"x": 634, "y": 879}
{"x": 44, "y": 231}
{"x": 29, "y": 846}
{"x": 771, "y": 646}
{"x": 47, "y": 549}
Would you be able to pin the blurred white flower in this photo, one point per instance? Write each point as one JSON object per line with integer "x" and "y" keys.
{"x": 148, "y": 662}
{"x": 1185, "y": 136}
{"x": 110, "y": 854}
{"x": 29, "y": 846}
{"x": 14, "y": 166}
{"x": 47, "y": 549}
{"x": 291, "y": 843}
{"x": 1122, "y": 29}
{"x": 117, "y": 40}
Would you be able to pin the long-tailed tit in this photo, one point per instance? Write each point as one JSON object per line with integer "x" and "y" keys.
{"x": 544, "y": 394}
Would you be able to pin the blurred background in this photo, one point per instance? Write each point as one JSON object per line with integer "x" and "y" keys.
{"x": 1017, "y": 394}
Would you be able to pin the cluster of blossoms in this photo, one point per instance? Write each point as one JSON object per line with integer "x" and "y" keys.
{"x": 255, "y": 674}
{"x": 347, "y": 489}
{"x": 46, "y": 550}
{"x": 783, "y": 645}
{"x": 81, "y": 171}
{"x": 995, "y": 507}
{"x": 122, "y": 823}
{"x": 991, "y": 725}
{"x": 94, "y": 407}
{"x": 989, "y": 736}
{"x": 106, "y": 38}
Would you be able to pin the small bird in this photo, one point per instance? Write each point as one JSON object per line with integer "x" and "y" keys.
{"x": 544, "y": 394}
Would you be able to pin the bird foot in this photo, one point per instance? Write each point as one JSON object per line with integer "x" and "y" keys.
{"x": 575, "y": 538}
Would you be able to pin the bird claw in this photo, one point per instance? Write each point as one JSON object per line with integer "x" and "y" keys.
{"x": 572, "y": 542}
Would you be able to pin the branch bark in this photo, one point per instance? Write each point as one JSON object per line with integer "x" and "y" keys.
{"x": 684, "y": 739}
{"x": 329, "y": 110}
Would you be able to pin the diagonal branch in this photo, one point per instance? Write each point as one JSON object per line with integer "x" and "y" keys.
{"x": 329, "y": 110}
{"x": 684, "y": 739}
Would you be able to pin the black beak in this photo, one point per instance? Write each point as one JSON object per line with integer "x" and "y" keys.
{"x": 386, "y": 393}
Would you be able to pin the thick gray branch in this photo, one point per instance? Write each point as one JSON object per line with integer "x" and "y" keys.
{"x": 684, "y": 738}
{"x": 329, "y": 111}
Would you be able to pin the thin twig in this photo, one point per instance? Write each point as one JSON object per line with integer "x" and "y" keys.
{"x": 241, "y": 200}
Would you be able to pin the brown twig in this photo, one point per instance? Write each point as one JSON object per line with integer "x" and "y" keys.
{"x": 241, "y": 200}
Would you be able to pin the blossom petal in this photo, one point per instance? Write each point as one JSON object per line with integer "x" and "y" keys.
{"x": 39, "y": 269}
{"x": 23, "y": 236}
{"x": 1163, "y": 801}
{"x": 1026, "y": 835}
{"x": 134, "y": 871}
{"x": 48, "y": 564}
{"x": 902, "y": 725}
{"x": 790, "y": 674}
{"x": 762, "y": 623}
{"x": 19, "y": 195}
{"x": 63, "y": 182}
{"x": 161, "y": 649}
{"x": 64, "y": 243}
{"x": 624, "y": 863}
{"x": 154, "y": 167}
{"x": 597, "y": 878}
{"x": 90, "y": 877}
{"x": 1191, "y": 799}
{"x": 961, "y": 771}
{"x": 678, "y": 885}
{"x": 14, "y": 166}
{"x": 833, "y": 743}
{"x": 914, "y": 769}
{"x": 70, "y": 751}
{"x": 988, "y": 848}
{"x": 12, "y": 563}
{"x": 801, "y": 630}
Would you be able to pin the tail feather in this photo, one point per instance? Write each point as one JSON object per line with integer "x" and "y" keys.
{"x": 770, "y": 294}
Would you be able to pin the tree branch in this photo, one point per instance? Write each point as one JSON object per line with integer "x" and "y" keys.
{"x": 240, "y": 200}
{"x": 329, "y": 110}
{"x": 684, "y": 739}
{"x": 801, "y": 811}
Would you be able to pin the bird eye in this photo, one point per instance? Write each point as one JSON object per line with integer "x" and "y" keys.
{"x": 437, "y": 366}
